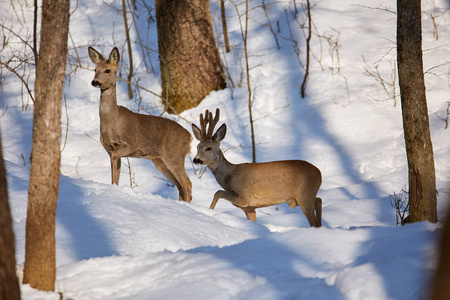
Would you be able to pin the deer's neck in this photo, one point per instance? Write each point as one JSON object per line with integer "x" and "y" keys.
{"x": 108, "y": 103}
{"x": 222, "y": 169}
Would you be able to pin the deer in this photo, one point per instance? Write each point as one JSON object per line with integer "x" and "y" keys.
{"x": 254, "y": 185}
{"x": 124, "y": 133}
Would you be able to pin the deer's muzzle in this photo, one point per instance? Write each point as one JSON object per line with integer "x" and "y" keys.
{"x": 198, "y": 161}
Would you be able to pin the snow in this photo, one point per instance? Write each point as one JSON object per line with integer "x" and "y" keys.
{"x": 140, "y": 242}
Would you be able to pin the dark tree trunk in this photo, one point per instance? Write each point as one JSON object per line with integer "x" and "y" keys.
{"x": 189, "y": 58}
{"x": 440, "y": 289}
{"x": 40, "y": 269}
{"x": 9, "y": 284}
{"x": 419, "y": 150}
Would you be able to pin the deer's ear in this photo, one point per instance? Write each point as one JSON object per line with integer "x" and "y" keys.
{"x": 114, "y": 56}
{"x": 220, "y": 133}
{"x": 95, "y": 56}
{"x": 196, "y": 131}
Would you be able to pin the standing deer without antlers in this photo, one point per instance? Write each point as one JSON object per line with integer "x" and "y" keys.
{"x": 124, "y": 133}
{"x": 253, "y": 185}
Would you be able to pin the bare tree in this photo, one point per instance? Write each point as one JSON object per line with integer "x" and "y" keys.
{"x": 9, "y": 284}
{"x": 189, "y": 58}
{"x": 419, "y": 149}
{"x": 224, "y": 25}
{"x": 244, "y": 34}
{"x": 308, "y": 50}
{"x": 40, "y": 265}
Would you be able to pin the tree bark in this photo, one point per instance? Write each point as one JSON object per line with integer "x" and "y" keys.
{"x": 224, "y": 25}
{"x": 40, "y": 266}
{"x": 189, "y": 58}
{"x": 9, "y": 284}
{"x": 419, "y": 149}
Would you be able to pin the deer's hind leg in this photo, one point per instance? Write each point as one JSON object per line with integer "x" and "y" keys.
{"x": 318, "y": 210}
{"x": 159, "y": 164}
{"x": 312, "y": 211}
{"x": 185, "y": 185}
{"x": 308, "y": 211}
{"x": 310, "y": 205}
{"x": 179, "y": 173}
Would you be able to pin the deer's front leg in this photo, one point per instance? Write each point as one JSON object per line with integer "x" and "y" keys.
{"x": 230, "y": 196}
{"x": 250, "y": 213}
{"x": 115, "y": 168}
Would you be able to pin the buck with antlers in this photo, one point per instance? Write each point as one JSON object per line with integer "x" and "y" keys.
{"x": 124, "y": 133}
{"x": 254, "y": 185}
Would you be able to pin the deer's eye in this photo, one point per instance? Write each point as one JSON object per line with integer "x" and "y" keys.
{"x": 208, "y": 149}
{"x": 107, "y": 71}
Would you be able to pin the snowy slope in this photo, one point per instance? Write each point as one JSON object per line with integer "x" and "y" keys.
{"x": 140, "y": 242}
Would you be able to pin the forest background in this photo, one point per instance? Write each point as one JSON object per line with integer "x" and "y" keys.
{"x": 349, "y": 125}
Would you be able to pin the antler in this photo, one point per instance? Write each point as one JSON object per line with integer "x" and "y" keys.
{"x": 203, "y": 123}
{"x": 212, "y": 123}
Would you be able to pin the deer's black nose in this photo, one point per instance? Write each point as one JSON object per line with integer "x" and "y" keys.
{"x": 198, "y": 161}
{"x": 95, "y": 83}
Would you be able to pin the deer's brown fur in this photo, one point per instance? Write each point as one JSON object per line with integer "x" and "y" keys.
{"x": 124, "y": 133}
{"x": 254, "y": 185}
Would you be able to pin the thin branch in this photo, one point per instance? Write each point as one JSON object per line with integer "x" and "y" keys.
{"x": 270, "y": 25}
{"x": 379, "y": 8}
{"x": 25, "y": 42}
{"x": 25, "y": 83}
{"x": 244, "y": 33}
{"x": 35, "y": 32}
{"x": 67, "y": 124}
{"x": 308, "y": 50}
{"x": 130, "y": 54}
{"x": 446, "y": 118}
{"x": 141, "y": 43}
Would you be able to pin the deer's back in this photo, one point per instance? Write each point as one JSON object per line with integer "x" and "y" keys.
{"x": 147, "y": 135}
{"x": 274, "y": 182}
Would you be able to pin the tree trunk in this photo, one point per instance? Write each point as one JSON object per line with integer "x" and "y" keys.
{"x": 189, "y": 58}
{"x": 419, "y": 150}
{"x": 9, "y": 284}
{"x": 224, "y": 25}
{"x": 440, "y": 289}
{"x": 40, "y": 269}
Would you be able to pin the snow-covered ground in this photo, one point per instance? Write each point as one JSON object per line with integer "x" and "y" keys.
{"x": 140, "y": 242}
